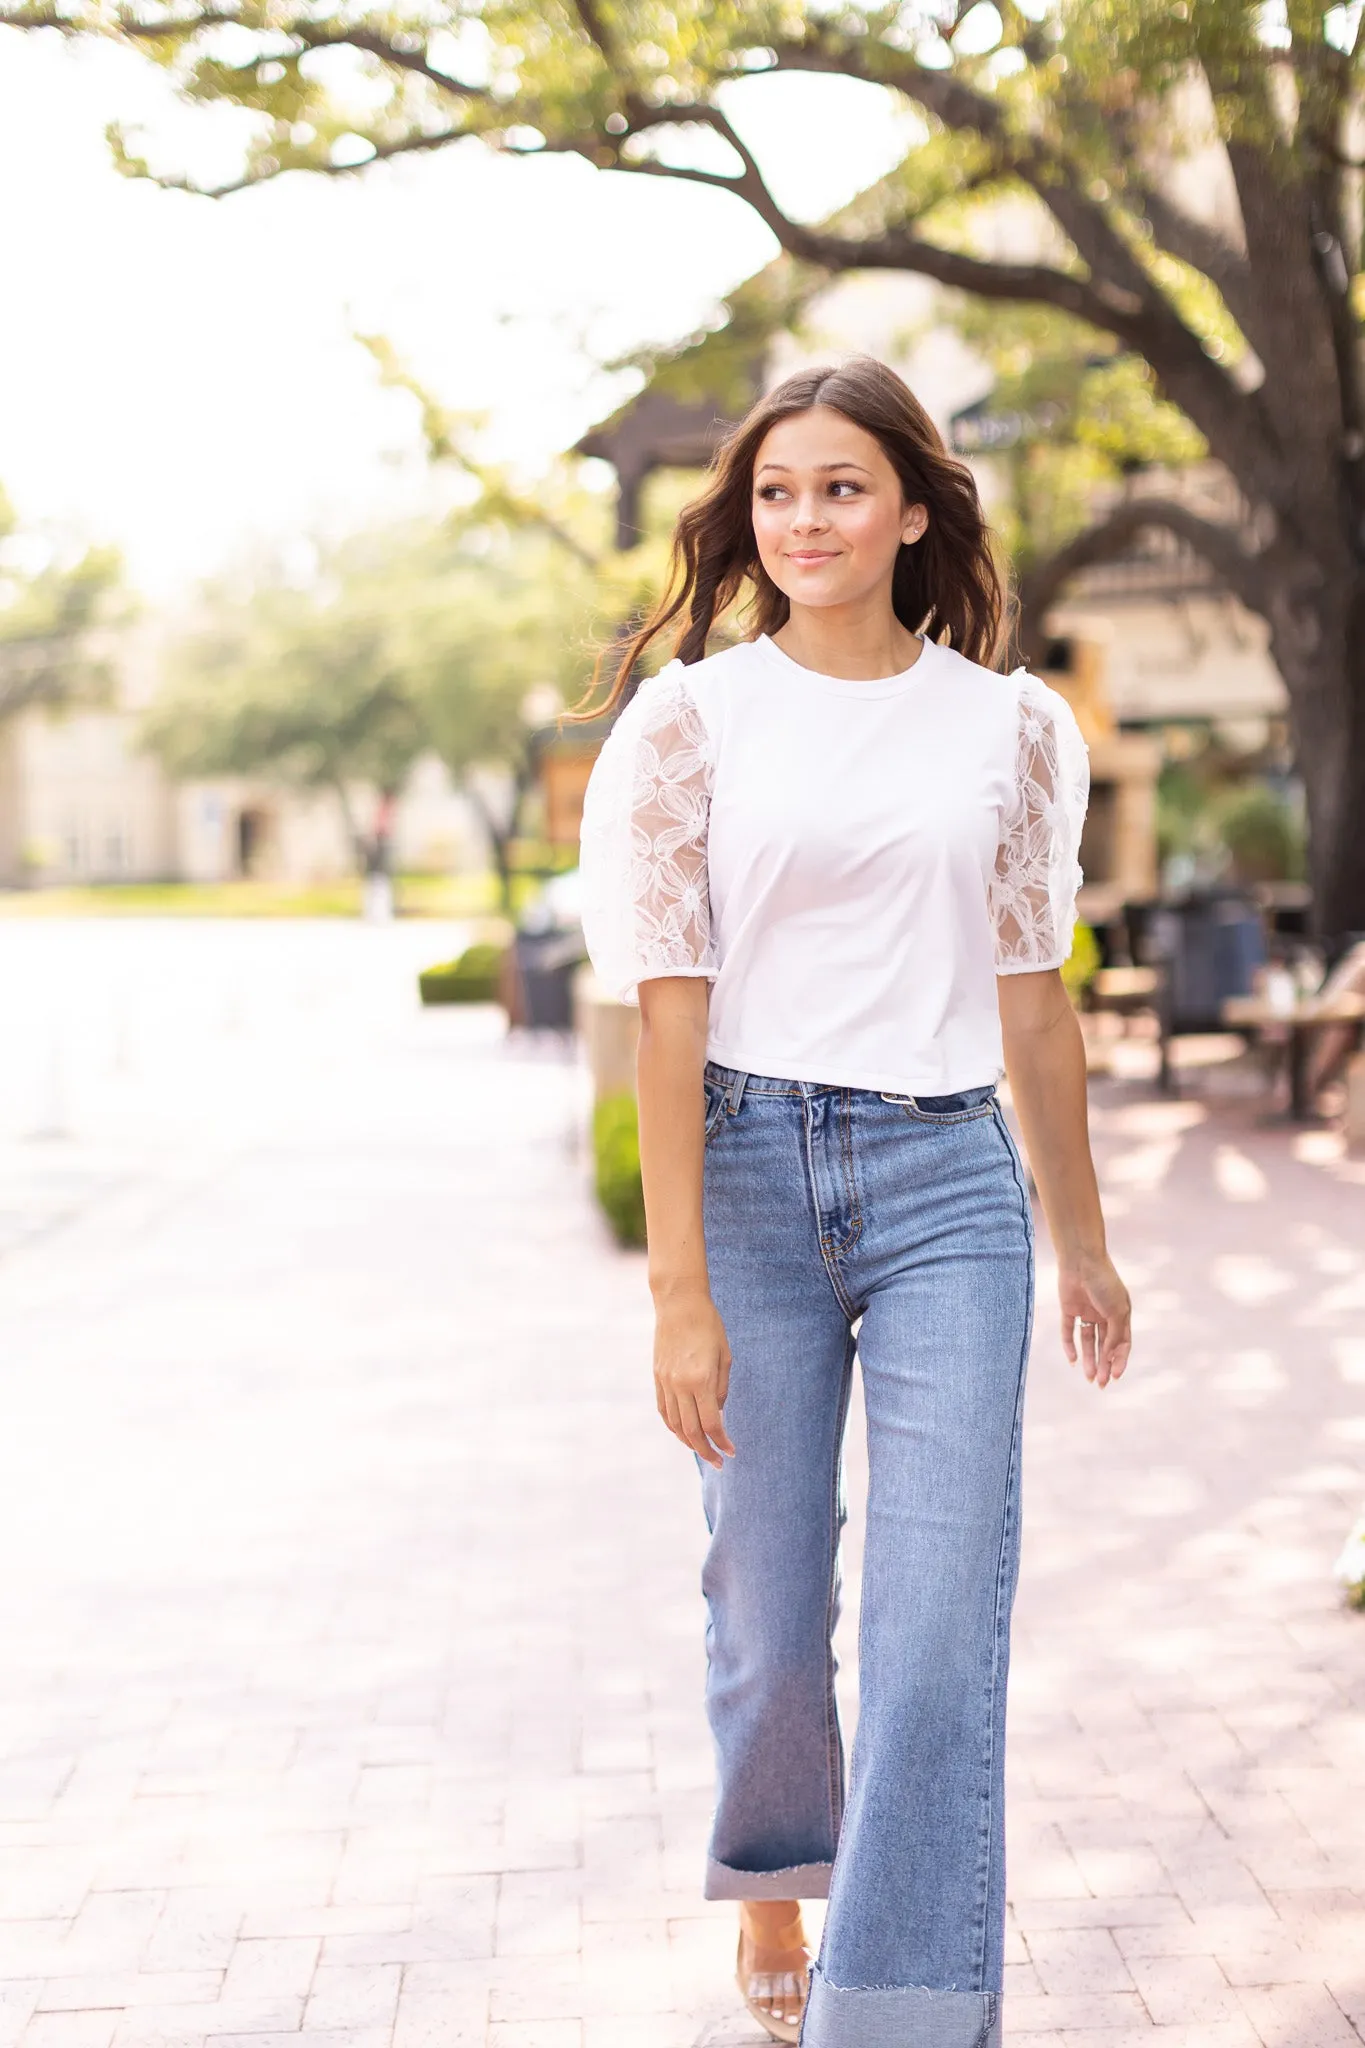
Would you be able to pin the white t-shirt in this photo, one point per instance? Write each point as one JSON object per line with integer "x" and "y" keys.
{"x": 850, "y": 863}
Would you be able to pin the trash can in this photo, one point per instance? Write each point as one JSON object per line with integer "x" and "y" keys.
{"x": 1208, "y": 947}
{"x": 546, "y": 962}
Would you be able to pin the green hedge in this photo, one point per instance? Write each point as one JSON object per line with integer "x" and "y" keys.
{"x": 616, "y": 1161}
{"x": 473, "y": 978}
{"x": 1081, "y": 968}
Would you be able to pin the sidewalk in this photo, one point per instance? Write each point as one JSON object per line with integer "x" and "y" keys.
{"x": 348, "y": 1581}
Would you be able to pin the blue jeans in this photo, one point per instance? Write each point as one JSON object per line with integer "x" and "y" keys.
{"x": 824, "y": 1205}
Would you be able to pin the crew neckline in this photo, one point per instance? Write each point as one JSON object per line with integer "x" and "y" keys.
{"x": 849, "y": 686}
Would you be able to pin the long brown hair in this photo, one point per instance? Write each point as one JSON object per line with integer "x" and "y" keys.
{"x": 945, "y": 585}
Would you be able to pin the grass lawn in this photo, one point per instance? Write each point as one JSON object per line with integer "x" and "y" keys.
{"x": 415, "y": 896}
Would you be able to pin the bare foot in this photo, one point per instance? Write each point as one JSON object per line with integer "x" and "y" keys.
{"x": 774, "y": 1964}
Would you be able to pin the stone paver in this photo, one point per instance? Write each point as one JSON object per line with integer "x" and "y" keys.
{"x": 348, "y": 1583}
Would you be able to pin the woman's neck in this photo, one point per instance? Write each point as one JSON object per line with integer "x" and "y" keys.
{"x": 858, "y": 643}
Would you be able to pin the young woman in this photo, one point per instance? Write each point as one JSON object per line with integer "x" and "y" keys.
{"x": 838, "y": 862}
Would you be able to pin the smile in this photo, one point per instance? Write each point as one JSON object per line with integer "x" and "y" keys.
{"x": 812, "y": 554}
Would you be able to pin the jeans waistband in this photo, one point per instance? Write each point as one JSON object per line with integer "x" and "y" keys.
{"x": 737, "y": 1085}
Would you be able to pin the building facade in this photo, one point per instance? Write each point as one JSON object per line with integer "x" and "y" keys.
{"x": 81, "y": 803}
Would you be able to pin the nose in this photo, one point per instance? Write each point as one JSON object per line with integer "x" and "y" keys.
{"x": 808, "y": 513}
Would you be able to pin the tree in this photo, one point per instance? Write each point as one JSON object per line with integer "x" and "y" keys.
{"x": 1248, "y": 313}
{"x": 542, "y": 590}
{"x": 406, "y": 642}
{"x": 55, "y": 622}
{"x": 299, "y": 685}
{"x": 502, "y": 637}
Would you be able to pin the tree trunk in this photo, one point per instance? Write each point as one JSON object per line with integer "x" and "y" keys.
{"x": 499, "y": 838}
{"x": 379, "y": 847}
{"x": 360, "y": 851}
{"x": 1319, "y": 647}
{"x": 499, "y": 845}
{"x": 501, "y": 832}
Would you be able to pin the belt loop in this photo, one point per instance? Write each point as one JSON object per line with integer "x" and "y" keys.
{"x": 735, "y": 1093}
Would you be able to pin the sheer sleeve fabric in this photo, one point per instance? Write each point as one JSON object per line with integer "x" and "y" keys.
{"x": 646, "y": 905}
{"x": 1037, "y": 866}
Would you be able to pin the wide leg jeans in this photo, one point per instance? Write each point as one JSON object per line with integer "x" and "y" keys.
{"x": 823, "y": 1206}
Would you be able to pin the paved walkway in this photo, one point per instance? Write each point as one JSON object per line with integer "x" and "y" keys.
{"x": 351, "y": 1641}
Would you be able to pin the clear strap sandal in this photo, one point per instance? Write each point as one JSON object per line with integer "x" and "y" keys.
{"x": 768, "y": 1984}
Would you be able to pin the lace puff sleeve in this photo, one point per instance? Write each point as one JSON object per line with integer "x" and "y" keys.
{"x": 646, "y": 907}
{"x": 1037, "y": 869}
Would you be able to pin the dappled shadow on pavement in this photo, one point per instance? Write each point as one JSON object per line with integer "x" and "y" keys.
{"x": 1188, "y": 1736}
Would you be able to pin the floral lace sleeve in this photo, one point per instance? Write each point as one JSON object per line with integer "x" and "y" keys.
{"x": 1037, "y": 869}
{"x": 646, "y": 907}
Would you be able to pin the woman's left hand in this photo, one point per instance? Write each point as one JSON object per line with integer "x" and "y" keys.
{"x": 1097, "y": 1319}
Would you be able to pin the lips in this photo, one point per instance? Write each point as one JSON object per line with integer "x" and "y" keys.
{"x": 810, "y": 556}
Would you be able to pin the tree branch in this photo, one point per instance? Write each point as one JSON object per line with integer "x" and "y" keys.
{"x": 1176, "y": 232}
{"x": 406, "y": 145}
{"x": 1202, "y": 247}
{"x": 1138, "y": 315}
{"x": 371, "y": 44}
{"x": 1119, "y": 296}
{"x": 966, "y": 111}
{"x": 897, "y": 249}
{"x": 367, "y": 40}
{"x": 1241, "y": 567}
{"x": 53, "y": 17}
{"x": 594, "y": 28}
{"x": 1110, "y": 288}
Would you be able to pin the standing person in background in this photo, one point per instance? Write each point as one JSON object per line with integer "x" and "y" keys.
{"x": 838, "y": 860}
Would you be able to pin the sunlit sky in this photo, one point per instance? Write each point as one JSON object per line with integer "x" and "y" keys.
{"x": 179, "y": 375}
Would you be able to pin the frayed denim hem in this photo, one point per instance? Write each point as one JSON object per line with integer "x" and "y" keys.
{"x": 888, "y": 2017}
{"x": 797, "y": 1881}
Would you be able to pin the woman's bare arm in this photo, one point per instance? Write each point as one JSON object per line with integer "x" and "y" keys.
{"x": 691, "y": 1356}
{"x": 1045, "y": 1060}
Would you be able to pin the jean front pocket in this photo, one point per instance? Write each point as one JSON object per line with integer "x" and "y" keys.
{"x": 963, "y": 1108}
{"x": 715, "y": 1109}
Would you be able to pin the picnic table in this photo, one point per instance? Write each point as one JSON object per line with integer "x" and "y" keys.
{"x": 1299, "y": 1022}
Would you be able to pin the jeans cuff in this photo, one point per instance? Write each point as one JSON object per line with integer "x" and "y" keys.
{"x": 796, "y": 1881}
{"x": 891, "y": 2017}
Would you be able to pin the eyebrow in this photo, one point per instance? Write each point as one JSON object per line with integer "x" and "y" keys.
{"x": 820, "y": 467}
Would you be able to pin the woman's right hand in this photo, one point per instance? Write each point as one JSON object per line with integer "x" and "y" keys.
{"x": 692, "y": 1374}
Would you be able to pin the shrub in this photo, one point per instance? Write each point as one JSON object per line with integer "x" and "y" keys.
{"x": 473, "y": 978}
{"x": 1349, "y": 1571}
{"x": 616, "y": 1162}
{"x": 1082, "y": 965}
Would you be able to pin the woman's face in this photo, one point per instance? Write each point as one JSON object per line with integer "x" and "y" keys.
{"x": 827, "y": 509}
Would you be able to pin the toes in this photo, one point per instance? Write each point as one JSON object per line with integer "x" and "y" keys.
{"x": 779, "y": 1995}
{"x": 782, "y": 1996}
